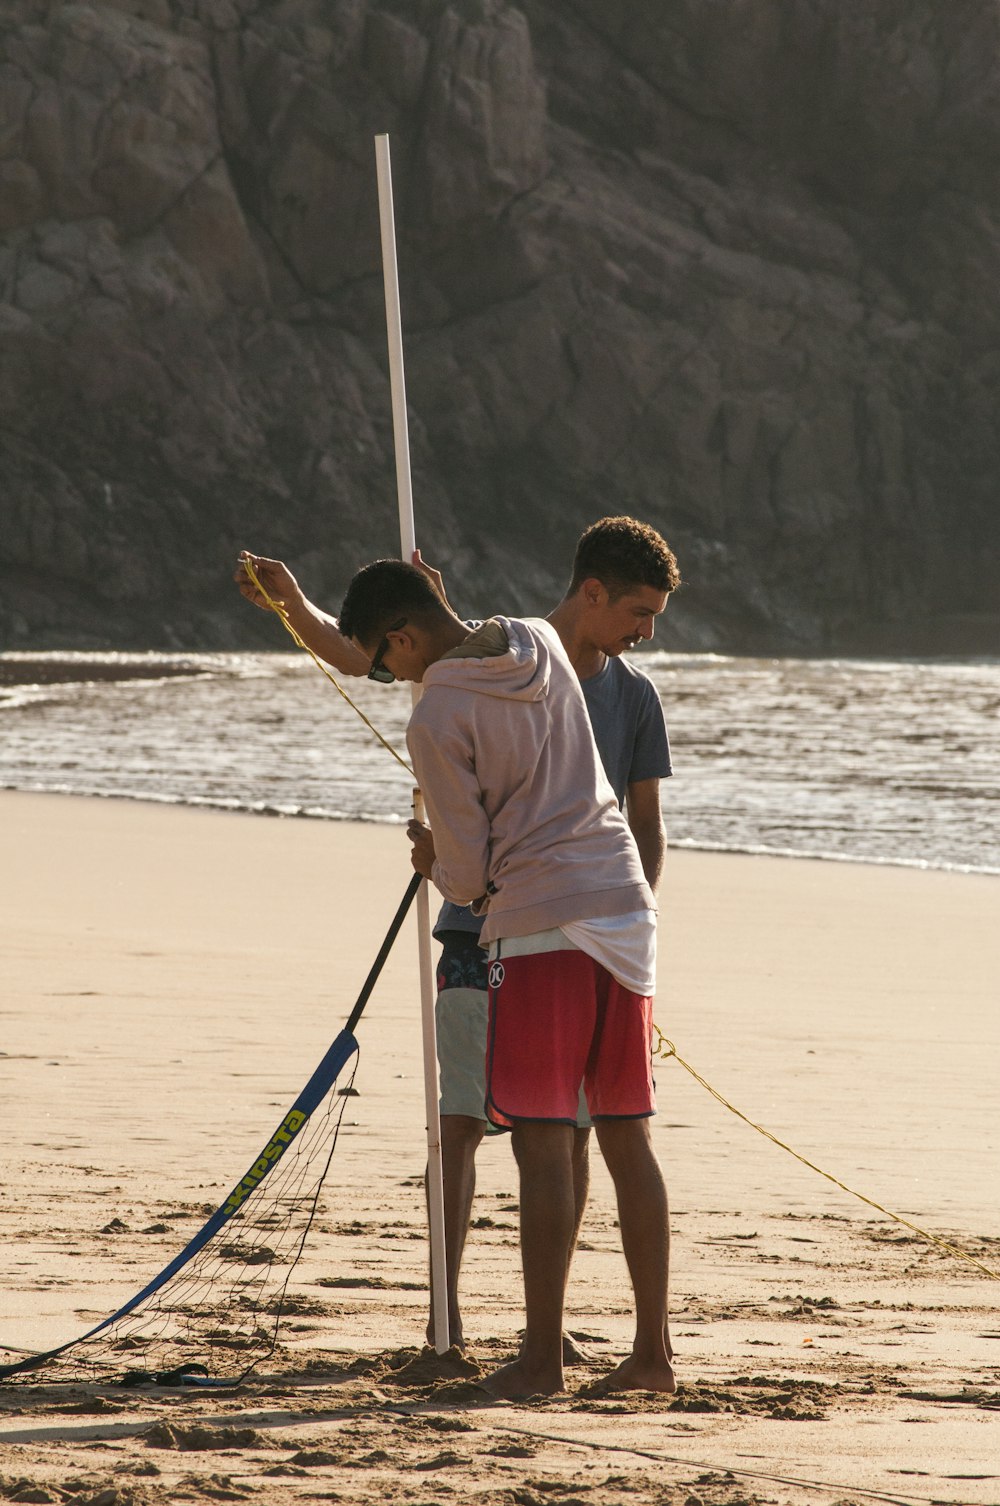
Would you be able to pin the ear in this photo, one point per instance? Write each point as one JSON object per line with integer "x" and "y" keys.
{"x": 594, "y": 592}
{"x": 403, "y": 638}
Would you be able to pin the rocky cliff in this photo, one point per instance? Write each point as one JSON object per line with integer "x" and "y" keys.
{"x": 732, "y": 268}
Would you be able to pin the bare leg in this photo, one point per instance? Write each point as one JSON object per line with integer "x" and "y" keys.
{"x": 572, "y": 1353}
{"x": 642, "y": 1214}
{"x": 460, "y": 1139}
{"x": 544, "y": 1153}
{"x": 581, "y": 1180}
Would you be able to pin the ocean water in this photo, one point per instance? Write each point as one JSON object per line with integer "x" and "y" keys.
{"x": 885, "y": 762}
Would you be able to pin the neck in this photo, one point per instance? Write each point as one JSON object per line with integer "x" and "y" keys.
{"x": 445, "y": 634}
{"x": 586, "y": 658}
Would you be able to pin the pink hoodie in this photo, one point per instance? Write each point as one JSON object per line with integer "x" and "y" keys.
{"x": 520, "y": 806}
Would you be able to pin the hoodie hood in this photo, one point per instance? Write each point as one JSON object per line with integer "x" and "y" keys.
{"x": 523, "y": 673}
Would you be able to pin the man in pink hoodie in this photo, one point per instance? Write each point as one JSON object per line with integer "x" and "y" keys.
{"x": 524, "y": 823}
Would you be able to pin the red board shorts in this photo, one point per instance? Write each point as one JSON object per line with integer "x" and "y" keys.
{"x": 558, "y": 1019}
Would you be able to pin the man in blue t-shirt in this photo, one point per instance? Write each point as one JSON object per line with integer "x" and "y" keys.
{"x": 623, "y": 573}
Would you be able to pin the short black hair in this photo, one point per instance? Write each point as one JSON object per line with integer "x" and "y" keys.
{"x": 383, "y": 591}
{"x": 623, "y": 553}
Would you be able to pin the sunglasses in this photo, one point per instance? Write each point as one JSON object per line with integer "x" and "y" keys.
{"x": 380, "y": 671}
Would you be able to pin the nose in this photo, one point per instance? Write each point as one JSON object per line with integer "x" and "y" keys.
{"x": 646, "y": 627}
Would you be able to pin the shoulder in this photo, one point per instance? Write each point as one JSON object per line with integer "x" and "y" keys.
{"x": 632, "y": 683}
{"x": 548, "y": 647}
{"x": 639, "y": 699}
{"x": 538, "y": 629}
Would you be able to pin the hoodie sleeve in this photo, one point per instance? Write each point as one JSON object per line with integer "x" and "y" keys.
{"x": 445, "y": 768}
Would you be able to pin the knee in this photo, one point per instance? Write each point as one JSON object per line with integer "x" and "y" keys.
{"x": 461, "y": 1134}
{"x": 626, "y": 1144}
{"x": 539, "y": 1143}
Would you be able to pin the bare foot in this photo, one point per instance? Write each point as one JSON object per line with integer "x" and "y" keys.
{"x": 573, "y": 1354}
{"x": 642, "y": 1375}
{"x": 517, "y": 1380}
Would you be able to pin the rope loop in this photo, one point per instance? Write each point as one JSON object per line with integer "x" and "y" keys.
{"x": 663, "y": 1047}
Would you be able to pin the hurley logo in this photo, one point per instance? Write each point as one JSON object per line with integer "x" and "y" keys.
{"x": 496, "y": 974}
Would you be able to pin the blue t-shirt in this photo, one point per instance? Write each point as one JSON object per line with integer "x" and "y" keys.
{"x": 631, "y": 737}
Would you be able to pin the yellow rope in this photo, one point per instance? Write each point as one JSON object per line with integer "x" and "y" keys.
{"x": 666, "y": 1048}
{"x": 277, "y": 607}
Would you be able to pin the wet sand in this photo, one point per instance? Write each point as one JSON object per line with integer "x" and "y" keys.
{"x": 170, "y": 978}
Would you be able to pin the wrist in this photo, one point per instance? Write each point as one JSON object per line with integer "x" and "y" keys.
{"x": 299, "y": 610}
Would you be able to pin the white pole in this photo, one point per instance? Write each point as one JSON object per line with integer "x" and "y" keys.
{"x": 407, "y": 545}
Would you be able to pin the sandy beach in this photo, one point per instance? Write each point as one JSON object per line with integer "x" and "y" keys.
{"x": 170, "y": 978}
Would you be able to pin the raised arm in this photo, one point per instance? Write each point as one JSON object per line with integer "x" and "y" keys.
{"x": 316, "y": 629}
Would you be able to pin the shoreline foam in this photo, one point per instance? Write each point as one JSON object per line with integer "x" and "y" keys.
{"x": 787, "y": 757}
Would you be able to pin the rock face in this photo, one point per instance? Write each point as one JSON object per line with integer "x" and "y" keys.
{"x": 731, "y": 268}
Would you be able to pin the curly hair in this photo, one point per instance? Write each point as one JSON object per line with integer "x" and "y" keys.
{"x": 623, "y": 553}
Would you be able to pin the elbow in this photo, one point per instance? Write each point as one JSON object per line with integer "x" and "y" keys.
{"x": 460, "y": 885}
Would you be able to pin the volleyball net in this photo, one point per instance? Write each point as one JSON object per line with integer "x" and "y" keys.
{"x": 213, "y": 1313}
